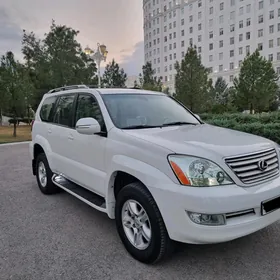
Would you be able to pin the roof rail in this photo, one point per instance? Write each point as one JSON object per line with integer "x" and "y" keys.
{"x": 67, "y": 88}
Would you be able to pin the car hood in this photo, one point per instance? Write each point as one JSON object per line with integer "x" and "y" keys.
{"x": 196, "y": 140}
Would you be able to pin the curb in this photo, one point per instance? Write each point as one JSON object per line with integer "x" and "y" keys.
{"x": 14, "y": 143}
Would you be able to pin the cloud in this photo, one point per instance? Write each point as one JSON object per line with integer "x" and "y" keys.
{"x": 10, "y": 34}
{"x": 132, "y": 63}
{"x": 117, "y": 24}
{"x": 127, "y": 50}
{"x": 131, "y": 60}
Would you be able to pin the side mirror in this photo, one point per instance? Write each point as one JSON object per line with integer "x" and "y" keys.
{"x": 88, "y": 126}
{"x": 197, "y": 116}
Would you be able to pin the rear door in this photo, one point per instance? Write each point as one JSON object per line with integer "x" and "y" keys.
{"x": 44, "y": 127}
{"x": 60, "y": 134}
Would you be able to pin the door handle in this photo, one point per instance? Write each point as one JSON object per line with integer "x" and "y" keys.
{"x": 70, "y": 137}
{"x": 49, "y": 131}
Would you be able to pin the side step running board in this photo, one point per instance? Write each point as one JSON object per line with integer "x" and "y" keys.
{"x": 90, "y": 198}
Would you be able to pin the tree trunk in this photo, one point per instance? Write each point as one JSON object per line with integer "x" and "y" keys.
{"x": 15, "y": 126}
{"x": 15, "y": 129}
{"x": 1, "y": 117}
{"x": 28, "y": 118}
{"x": 251, "y": 108}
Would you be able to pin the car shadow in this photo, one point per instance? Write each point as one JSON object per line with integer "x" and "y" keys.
{"x": 252, "y": 257}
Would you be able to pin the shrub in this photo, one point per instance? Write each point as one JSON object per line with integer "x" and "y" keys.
{"x": 23, "y": 120}
{"x": 243, "y": 118}
{"x": 12, "y": 121}
{"x": 266, "y": 125}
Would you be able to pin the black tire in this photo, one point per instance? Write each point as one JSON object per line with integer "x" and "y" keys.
{"x": 50, "y": 187}
{"x": 160, "y": 245}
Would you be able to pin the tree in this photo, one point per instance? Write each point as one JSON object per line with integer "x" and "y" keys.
{"x": 192, "y": 83}
{"x": 114, "y": 76}
{"x": 57, "y": 60}
{"x": 166, "y": 90}
{"x": 257, "y": 83}
{"x": 16, "y": 85}
{"x": 274, "y": 105}
{"x": 3, "y": 97}
{"x": 220, "y": 91}
{"x": 147, "y": 79}
{"x": 136, "y": 85}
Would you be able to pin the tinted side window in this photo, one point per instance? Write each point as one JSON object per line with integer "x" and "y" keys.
{"x": 64, "y": 110}
{"x": 47, "y": 109}
{"x": 87, "y": 107}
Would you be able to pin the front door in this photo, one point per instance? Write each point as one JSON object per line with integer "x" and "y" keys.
{"x": 87, "y": 151}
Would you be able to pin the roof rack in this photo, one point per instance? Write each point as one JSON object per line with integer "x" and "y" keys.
{"x": 67, "y": 88}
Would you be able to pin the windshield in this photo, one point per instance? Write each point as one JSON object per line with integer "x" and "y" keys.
{"x": 146, "y": 111}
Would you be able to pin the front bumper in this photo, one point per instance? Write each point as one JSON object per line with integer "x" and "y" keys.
{"x": 175, "y": 200}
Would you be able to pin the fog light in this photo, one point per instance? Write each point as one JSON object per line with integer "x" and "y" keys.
{"x": 207, "y": 219}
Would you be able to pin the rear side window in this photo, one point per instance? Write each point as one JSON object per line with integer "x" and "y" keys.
{"x": 47, "y": 109}
{"x": 64, "y": 110}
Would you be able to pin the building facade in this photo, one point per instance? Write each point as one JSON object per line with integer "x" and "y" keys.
{"x": 223, "y": 31}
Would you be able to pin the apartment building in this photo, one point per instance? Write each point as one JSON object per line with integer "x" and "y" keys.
{"x": 224, "y": 31}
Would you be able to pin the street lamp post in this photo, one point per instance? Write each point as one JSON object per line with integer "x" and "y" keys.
{"x": 98, "y": 56}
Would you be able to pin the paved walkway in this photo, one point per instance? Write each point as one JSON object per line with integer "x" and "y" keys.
{"x": 60, "y": 237}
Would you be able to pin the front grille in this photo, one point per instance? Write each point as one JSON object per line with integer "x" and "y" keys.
{"x": 247, "y": 167}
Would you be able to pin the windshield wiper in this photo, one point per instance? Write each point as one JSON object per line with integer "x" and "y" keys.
{"x": 179, "y": 123}
{"x": 141, "y": 126}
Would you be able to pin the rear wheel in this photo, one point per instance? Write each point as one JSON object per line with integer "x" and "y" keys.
{"x": 44, "y": 175}
{"x": 140, "y": 225}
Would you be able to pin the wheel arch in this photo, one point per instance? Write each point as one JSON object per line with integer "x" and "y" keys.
{"x": 125, "y": 170}
{"x": 41, "y": 145}
{"x": 37, "y": 149}
{"x": 118, "y": 180}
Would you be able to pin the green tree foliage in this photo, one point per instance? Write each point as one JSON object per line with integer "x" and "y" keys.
{"x": 192, "y": 83}
{"x": 57, "y": 60}
{"x": 16, "y": 87}
{"x": 3, "y": 92}
{"x": 136, "y": 85}
{"x": 166, "y": 90}
{"x": 223, "y": 97}
{"x": 257, "y": 83}
{"x": 274, "y": 105}
{"x": 219, "y": 90}
{"x": 114, "y": 76}
{"x": 147, "y": 79}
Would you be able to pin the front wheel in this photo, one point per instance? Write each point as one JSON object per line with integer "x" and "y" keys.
{"x": 140, "y": 225}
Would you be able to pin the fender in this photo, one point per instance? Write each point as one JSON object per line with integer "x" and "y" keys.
{"x": 147, "y": 174}
{"x": 47, "y": 148}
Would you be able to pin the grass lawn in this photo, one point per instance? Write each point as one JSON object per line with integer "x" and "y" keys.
{"x": 23, "y": 134}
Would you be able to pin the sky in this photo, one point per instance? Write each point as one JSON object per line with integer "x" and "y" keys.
{"x": 116, "y": 23}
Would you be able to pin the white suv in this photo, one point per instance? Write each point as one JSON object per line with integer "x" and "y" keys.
{"x": 154, "y": 167}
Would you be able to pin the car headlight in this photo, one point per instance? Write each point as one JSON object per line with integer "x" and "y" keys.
{"x": 198, "y": 172}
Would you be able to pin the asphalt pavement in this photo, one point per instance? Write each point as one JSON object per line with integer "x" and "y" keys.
{"x": 59, "y": 237}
